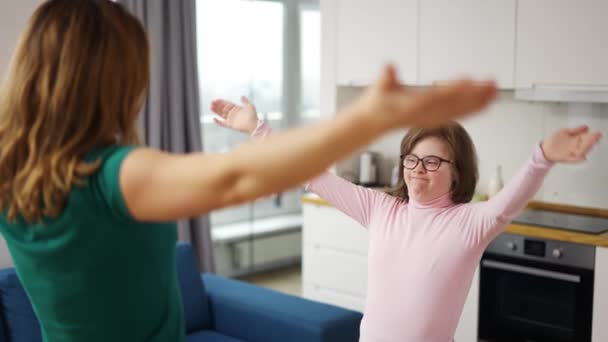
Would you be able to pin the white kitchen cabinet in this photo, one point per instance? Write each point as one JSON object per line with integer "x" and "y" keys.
{"x": 467, "y": 37}
{"x": 600, "y": 296}
{"x": 327, "y": 226}
{"x": 334, "y": 277}
{"x": 467, "y": 326}
{"x": 333, "y": 297}
{"x": 370, "y": 34}
{"x": 334, "y": 258}
{"x": 562, "y": 43}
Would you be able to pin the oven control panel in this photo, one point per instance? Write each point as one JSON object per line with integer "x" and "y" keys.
{"x": 557, "y": 252}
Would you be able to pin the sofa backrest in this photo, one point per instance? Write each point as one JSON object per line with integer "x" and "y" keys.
{"x": 18, "y": 322}
{"x": 194, "y": 299}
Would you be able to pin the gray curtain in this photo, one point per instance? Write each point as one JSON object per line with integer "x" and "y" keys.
{"x": 170, "y": 120}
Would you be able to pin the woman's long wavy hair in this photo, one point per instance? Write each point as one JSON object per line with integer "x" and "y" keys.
{"x": 76, "y": 82}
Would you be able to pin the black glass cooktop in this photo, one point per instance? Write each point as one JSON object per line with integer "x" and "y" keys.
{"x": 574, "y": 222}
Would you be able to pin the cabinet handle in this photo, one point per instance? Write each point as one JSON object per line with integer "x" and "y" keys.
{"x": 602, "y": 88}
{"x": 531, "y": 271}
{"x": 563, "y": 93}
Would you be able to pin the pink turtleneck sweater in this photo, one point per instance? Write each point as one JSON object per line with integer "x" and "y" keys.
{"x": 422, "y": 256}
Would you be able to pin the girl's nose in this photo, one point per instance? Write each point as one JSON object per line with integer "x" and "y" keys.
{"x": 419, "y": 168}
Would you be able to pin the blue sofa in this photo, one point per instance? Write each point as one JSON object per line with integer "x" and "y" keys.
{"x": 216, "y": 309}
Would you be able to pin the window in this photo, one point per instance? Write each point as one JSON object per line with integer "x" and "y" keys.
{"x": 234, "y": 60}
{"x": 268, "y": 50}
{"x": 310, "y": 61}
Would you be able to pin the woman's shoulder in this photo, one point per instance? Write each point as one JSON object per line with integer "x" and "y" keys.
{"x": 104, "y": 153}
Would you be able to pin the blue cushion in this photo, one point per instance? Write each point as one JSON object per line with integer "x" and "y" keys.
{"x": 210, "y": 336}
{"x": 19, "y": 317}
{"x": 194, "y": 299}
{"x": 256, "y": 314}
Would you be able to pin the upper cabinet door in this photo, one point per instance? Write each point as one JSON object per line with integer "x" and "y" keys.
{"x": 562, "y": 42}
{"x": 467, "y": 37}
{"x": 373, "y": 33}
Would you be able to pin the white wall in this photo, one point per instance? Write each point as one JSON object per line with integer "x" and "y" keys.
{"x": 505, "y": 135}
{"x": 13, "y": 16}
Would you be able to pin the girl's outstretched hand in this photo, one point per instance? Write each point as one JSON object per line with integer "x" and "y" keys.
{"x": 242, "y": 118}
{"x": 570, "y": 145}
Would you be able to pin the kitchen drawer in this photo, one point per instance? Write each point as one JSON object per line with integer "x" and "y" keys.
{"x": 335, "y": 269}
{"x": 333, "y": 297}
{"x": 327, "y": 226}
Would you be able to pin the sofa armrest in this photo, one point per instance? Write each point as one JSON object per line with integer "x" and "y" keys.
{"x": 256, "y": 314}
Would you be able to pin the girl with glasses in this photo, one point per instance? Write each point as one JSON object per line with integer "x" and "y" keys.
{"x": 425, "y": 238}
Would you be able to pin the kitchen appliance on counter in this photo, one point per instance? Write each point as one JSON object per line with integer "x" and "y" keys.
{"x": 368, "y": 169}
{"x": 536, "y": 290}
{"x": 574, "y": 222}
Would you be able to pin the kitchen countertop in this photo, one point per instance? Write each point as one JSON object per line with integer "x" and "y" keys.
{"x": 600, "y": 240}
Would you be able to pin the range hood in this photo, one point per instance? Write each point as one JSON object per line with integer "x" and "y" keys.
{"x": 563, "y": 93}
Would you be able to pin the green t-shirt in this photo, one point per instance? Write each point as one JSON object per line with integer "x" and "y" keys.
{"x": 96, "y": 274}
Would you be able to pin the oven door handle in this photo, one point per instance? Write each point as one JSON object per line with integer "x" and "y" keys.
{"x": 531, "y": 271}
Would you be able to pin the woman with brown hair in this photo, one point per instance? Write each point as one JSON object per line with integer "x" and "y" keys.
{"x": 425, "y": 238}
{"x": 77, "y": 193}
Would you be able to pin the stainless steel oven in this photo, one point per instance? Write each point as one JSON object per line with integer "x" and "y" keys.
{"x": 536, "y": 290}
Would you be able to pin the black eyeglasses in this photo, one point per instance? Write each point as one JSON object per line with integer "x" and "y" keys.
{"x": 429, "y": 163}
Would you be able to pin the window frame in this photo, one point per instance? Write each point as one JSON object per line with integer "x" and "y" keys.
{"x": 290, "y": 109}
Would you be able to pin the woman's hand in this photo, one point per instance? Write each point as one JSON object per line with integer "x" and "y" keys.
{"x": 570, "y": 145}
{"x": 388, "y": 101}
